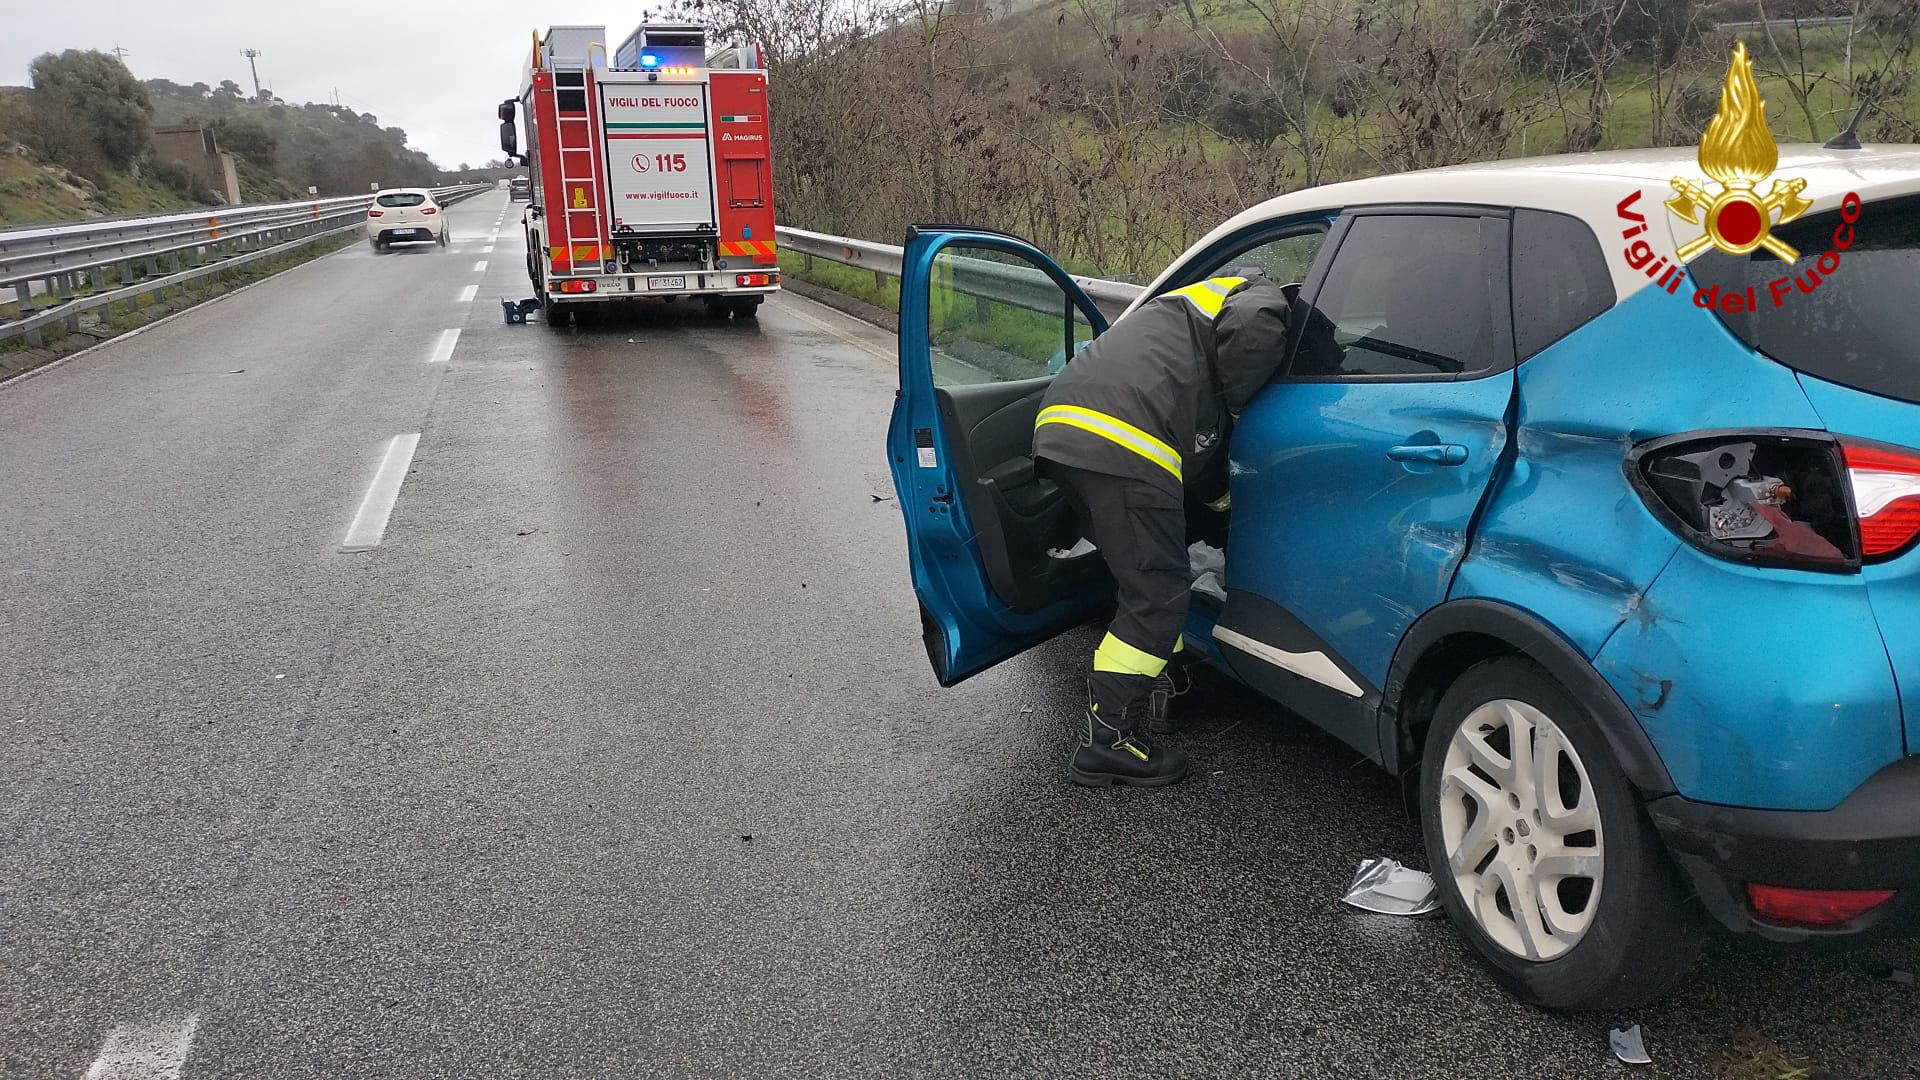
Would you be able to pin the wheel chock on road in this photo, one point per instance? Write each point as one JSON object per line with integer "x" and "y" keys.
{"x": 516, "y": 310}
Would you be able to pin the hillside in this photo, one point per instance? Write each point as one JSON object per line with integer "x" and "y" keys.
{"x": 79, "y": 144}
{"x": 1112, "y": 132}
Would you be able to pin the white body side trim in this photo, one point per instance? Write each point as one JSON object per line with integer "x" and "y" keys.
{"x": 1313, "y": 665}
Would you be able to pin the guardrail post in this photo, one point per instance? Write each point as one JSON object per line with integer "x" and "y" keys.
{"x": 880, "y": 281}
{"x": 806, "y": 263}
{"x": 23, "y": 295}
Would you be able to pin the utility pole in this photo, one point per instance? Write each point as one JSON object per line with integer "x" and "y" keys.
{"x": 121, "y": 54}
{"x": 251, "y": 54}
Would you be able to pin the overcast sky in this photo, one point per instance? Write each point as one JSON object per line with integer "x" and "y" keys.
{"x": 436, "y": 69}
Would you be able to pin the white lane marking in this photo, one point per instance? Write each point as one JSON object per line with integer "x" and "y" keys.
{"x": 443, "y": 346}
{"x": 488, "y": 250}
{"x": 1310, "y": 665}
{"x": 479, "y": 266}
{"x": 370, "y": 522}
{"x": 150, "y": 1051}
{"x": 467, "y": 294}
{"x": 494, "y": 235}
{"x": 862, "y": 346}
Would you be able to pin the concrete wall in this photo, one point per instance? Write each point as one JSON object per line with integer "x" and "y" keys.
{"x": 194, "y": 146}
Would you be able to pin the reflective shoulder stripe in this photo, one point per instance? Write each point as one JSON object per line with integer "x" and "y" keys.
{"x": 1115, "y": 430}
{"x": 1210, "y": 294}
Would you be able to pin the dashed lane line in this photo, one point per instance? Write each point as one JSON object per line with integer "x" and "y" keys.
{"x": 443, "y": 347}
{"x": 467, "y": 294}
{"x": 370, "y": 521}
{"x": 156, "y": 1050}
{"x": 479, "y": 266}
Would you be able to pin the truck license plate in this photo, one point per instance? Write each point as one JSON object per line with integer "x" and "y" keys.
{"x": 667, "y": 283}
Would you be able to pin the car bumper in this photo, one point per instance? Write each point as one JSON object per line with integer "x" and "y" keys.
{"x": 401, "y": 233}
{"x": 1870, "y": 841}
{"x": 641, "y": 286}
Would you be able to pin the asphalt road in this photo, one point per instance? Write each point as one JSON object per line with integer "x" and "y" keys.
{"x": 618, "y": 756}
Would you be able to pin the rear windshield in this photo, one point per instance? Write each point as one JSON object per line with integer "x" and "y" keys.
{"x": 1860, "y": 326}
{"x": 402, "y": 198}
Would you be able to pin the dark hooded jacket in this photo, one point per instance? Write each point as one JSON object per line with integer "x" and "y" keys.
{"x": 1151, "y": 398}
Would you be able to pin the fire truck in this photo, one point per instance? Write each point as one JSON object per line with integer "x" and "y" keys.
{"x": 650, "y": 167}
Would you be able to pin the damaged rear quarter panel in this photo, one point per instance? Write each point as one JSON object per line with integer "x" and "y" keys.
{"x": 1564, "y": 535}
{"x": 1760, "y": 687}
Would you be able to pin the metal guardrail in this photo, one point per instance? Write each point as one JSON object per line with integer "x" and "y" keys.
{"x": 76, "y": 265}
{"x": 1007, "y": 283}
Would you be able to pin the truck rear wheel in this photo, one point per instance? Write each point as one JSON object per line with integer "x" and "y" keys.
{"x": 746, "y": 307}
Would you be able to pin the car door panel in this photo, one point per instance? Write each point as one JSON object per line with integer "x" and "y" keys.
{"x": 980, "y": 519}
{"x": 1355, "y": 494}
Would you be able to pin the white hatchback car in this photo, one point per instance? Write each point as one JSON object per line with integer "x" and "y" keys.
{"x": 405, "y": 214}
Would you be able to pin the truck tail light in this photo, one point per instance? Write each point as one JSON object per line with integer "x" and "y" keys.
{"x": 755, "y": 281}
{"x": 573, "y": 286}
{"x": 375, "y": 213}
{"x": 429, "y": 209}
{"x": 1813, "y": 907}
{"x": 1886, "y": 496}
{"x": 1769, "y": 498}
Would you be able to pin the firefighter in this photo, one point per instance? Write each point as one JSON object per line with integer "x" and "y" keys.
{"x": 1128, "y": 429}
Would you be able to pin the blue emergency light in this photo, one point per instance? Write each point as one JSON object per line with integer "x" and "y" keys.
{"x": 649, "y": 60}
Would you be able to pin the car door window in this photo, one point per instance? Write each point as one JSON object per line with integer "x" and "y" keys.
{"x": 1406, "y": 295}
{"x": 1283, "y": 260}
{"x": 994, "y": 316}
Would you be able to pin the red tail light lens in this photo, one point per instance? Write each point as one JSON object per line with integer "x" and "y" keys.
{"x": 755, "y": 281}
{"x": 1768, "y": 497}
{"x": 374, "y": 213}
{"x": 429, "y": 209}
{"x": 573, "y": 286}
{"x": 1813, "y": 907}
{"x": 1886, "y": 496}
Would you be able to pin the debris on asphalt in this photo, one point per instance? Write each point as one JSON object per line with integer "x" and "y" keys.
{"x": 526, "y": 532}
{"x": 236, "y": 371}
{"x": 1900, "y": 975}
{"x": 1385, "y": 887}
{"x": 882, "y": 498}
{"x": 746, "y": 838}
{"x": 1629, "y": 1045}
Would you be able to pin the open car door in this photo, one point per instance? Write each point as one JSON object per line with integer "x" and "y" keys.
{"x": 986, "y": 321}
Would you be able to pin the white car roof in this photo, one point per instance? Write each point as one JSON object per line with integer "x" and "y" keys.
{"x": 1591, "y": 187}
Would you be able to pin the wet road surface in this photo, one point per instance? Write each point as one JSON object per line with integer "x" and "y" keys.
{"x": 618, "y": 755}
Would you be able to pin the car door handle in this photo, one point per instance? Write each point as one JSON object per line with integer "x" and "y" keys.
{"x": 1432, "y": 454}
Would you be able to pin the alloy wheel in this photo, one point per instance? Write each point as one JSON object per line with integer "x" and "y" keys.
{"x": 1521, "y": 829}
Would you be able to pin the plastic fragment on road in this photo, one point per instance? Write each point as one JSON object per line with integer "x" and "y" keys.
{"x": 1385, "y": 887}
{"x": 1900, "y": 975}
{"x": 1629, "y": 1045}
{"x": 516, "y": 310}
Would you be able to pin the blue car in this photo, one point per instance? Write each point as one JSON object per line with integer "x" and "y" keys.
{"x": 1602, "y": 532}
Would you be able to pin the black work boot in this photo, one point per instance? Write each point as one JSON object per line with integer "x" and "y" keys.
{"x": 1112, "y": 749}
{"x": 1174, "y": 682}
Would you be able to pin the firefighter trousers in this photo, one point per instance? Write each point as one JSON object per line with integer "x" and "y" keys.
{"x": 1141, "y": 531}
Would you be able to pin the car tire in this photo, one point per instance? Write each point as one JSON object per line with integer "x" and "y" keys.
{"x": 1627, "y": 929}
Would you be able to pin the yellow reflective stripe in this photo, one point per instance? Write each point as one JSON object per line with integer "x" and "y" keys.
{"x": 1118, "y": 656}
{"x": 1115, "y": 430}
{"x": 1210, "y": 294}
{"x": 1180, "y": 644}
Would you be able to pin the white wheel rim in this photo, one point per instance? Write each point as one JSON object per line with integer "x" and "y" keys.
{"x": 1521, "y": 829}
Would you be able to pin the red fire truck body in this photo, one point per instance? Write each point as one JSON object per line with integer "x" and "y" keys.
{"x": 651, "y": 170}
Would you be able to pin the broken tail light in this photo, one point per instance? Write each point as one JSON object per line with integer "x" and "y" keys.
{"x": 1771, "y": 498}
{"x": 1886, "y": 496}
